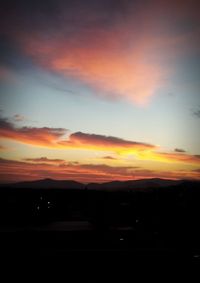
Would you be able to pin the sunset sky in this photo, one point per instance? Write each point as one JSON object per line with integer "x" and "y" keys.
{"x": 99, "y": 90}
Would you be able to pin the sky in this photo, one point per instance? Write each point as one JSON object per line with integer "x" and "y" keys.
{"x": 99, "y": 90}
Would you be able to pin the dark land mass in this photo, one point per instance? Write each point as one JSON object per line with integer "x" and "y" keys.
{"x": 146, "y": 219}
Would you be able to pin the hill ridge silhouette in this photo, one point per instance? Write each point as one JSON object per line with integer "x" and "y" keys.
{"x": 116, "y": 185}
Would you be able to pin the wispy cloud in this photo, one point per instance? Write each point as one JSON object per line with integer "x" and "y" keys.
{"x": 18, "y": 118}
{"x": 45, "y": 160}
{"x": 118, "y": 48}
{"x": 196, "y": 113}
{"x": 57, "y": 138}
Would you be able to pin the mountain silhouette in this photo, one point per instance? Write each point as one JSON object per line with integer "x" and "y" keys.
{"x": 143, "y": 184}
{"x": 49, "y": 184}
{"x": 134, "y": 184}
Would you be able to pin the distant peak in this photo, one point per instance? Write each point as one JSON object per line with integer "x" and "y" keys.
{"x": 47, "y": 180}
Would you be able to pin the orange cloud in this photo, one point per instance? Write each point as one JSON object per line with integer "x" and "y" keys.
{"x": 111, "y": 69}
{"x": 29, "y": 135}
{"x": 116, "y": 63}
{"x": 55, "y": 138}
{"x": 12, "y": 171}
{"x": 125, "y": 49}
{"x": 126, "y": 58}
{"x": 121, "y": 61}
{"x": 177, "y": 157}
{"x": 104, "y": 143}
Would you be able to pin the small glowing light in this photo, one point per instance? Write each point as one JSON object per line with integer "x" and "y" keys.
{"x": 48, "y": 202}
{"x": 38, "y": 208}
{"x": 136, "y": 220}
{"x": 196, "y": 256}
{"x": 121, "y": 239}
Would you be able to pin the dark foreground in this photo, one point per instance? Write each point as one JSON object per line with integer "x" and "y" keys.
{"x": 79, "y": 240}
{"x": 101, "y": 228}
